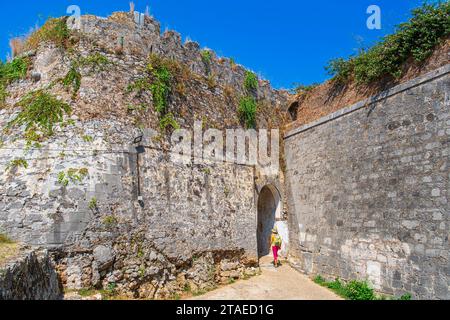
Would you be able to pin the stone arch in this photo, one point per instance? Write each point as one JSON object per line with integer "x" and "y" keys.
{"x": 269, "y": 211}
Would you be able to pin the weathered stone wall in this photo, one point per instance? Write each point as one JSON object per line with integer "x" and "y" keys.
{"x": 31, "y": 276}
{"x": 187, "y": 212}
{"x": 368, "y": 190}
{"x": 149, "y": 229}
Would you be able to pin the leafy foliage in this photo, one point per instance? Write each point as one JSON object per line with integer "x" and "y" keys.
{"x": 14, "y": 70}
{"x": 96, "y": 61}
{"x": 406, "y": 297}
{"x": 167, "y": 121}
{"x": 72, "y": 176}
{"x": 160, "y": 79}
{"x": 10, "y": 72}
{"x": 73, "y": 80}
{"x": 354, "y": 290}
{"x": 93, "y": 204}
{"x": 206, "y": 56}
{"x": 359, "y": 290}
{"x": 247, "y": 111}
{"x": 110, "y": 221}
{"x": 160, "y": 87}
{"x": 251, "y": 81}
{"x": 41, "y": 110}
{"x": 17, "y": 163}
{"x": 416, "y": 38}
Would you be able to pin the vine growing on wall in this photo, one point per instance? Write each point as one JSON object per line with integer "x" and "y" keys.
{"x": 40, "y": 113}
{"x": 10, "y": 72}
{"x": 96, "y": 62}
{"x": 248, "y": 105}
{"x": 160, "y": 79}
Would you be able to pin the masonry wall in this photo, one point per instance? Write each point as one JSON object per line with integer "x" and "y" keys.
{"x": 369, "y": 190}
{"x": 100, "y": 229}
{"x": 139, "y": 222}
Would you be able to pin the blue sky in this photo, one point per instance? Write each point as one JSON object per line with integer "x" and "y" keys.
{"x": 284, "y": 41}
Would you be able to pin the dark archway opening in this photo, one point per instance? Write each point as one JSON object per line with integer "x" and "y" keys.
{"x": 293, "y": 110}
{"x": 268, "y": 203}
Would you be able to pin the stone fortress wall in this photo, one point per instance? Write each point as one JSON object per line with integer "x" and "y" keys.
{"x": 117, "y": 215}
{"x": 365, "y": 191}
{"x": 368, "y": 190}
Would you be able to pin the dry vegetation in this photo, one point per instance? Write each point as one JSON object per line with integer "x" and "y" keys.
{"x": 8, "y": 249}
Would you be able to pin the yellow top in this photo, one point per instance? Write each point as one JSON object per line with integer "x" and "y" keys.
{"x": 273, "y": 239}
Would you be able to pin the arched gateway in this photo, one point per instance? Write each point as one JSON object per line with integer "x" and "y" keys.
{"x": 269, "y": 209}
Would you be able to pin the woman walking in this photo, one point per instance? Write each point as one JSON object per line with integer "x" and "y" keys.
{"x": 275, "y": 242}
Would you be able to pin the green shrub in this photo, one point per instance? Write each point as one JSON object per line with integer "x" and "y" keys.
{"x": 88, "y": 139}
{"x": 319, "y": 280}
{"x": 17, "y": 163}
{"x": 72, "y": 80}
{"x": 110, "y": 221}
{"x": 93, "y": 203}
{"x": 32, "y": 138}
{"x": 160, "y": 88}
{"x": 160, "y": 79}
{"x": 96, "y": 61}
{"x": 40, "y": 110}
{"x": 206, "y": 56}
{"x": 167, "y": 121}
{"x": 10, "y": 72}
{"x": 354, "y": 290}
{"x": 406, "y": 297}
{"x": 250, "y": 81}
{"x": 62, "y": 179}
{"x": 72, "y": 176}
{"x": 247, "y": 111}
{"x": 14, "y": 70}
{"x": 415, "y": 39}
{"x": 358, "y": 290}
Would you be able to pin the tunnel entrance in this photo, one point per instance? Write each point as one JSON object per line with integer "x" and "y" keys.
{"x": 269, "y": 208}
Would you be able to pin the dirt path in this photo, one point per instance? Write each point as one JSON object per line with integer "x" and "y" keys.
{"x": 283, "y": 283}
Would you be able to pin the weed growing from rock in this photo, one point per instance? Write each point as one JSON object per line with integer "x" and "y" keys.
{"x": 354, "y": 290}
{"x": 17, "y": 163}
{"x": 42, "y": 111}
{"x": 247, "y": 111}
